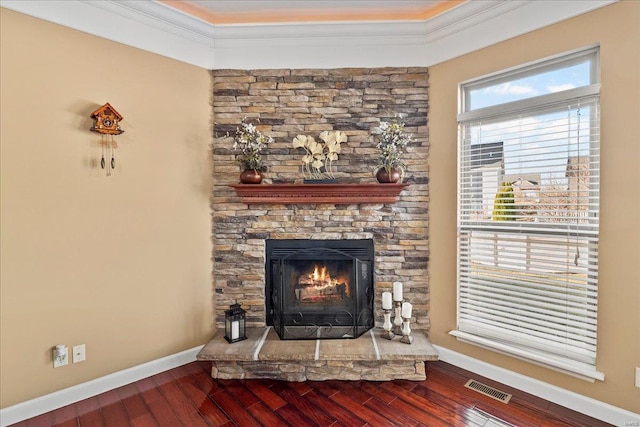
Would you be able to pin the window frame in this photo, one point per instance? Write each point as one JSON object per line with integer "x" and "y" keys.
{"x": 504, "y": 111}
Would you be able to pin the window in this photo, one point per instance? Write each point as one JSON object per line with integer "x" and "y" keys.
{"x": 528, "y": 207}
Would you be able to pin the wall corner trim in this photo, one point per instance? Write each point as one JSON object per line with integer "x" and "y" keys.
{"x": 58, "y": 399}
{"x": 569, "y": 399}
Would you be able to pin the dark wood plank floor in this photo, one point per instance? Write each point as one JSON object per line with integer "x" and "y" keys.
{"x": 188, "y": 396}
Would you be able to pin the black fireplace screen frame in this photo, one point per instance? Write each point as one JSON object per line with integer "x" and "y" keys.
{"x": 293, "y": 321}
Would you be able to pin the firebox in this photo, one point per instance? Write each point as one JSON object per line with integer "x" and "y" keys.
{"x": 318, "y": 289}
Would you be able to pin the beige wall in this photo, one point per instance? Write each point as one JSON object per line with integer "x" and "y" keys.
{"x": 120, "y": 263}
{"x": 617, "y": 29}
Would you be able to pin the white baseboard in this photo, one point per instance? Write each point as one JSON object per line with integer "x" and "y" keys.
{"x": 40, "y": 405}
{"x": 577, "y": 402}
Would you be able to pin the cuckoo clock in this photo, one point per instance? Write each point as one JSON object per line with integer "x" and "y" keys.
{"x": 106, "y": 122}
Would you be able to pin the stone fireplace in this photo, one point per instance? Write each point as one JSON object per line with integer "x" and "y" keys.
{"x": 284, "y": 103}
{"x": 318, "y": 289}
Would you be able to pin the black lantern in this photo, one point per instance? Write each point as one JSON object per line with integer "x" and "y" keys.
{"x": 234, "y": 323}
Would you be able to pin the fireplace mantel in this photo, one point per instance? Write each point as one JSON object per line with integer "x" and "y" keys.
{"x": 318, "y": 193}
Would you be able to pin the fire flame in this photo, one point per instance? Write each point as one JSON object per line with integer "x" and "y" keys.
{"x": 320, "y": 275}
{"x": 317, "y": 285}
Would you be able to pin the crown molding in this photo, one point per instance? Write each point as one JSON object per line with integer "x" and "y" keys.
{"x": 468, "y": 27}
{"x": 161, "y": 29}
{"x": 146, "y": 25}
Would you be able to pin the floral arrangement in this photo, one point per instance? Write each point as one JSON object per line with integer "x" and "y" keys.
{"x": 392, "y": 143}
{"x": 320, "y": 155}
{"x": 251, "y": 141}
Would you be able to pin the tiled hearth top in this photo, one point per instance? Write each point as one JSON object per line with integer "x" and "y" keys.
{"x": 263, "y": 344}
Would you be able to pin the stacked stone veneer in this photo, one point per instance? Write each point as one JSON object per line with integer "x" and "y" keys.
{"x": 286, "y": 103}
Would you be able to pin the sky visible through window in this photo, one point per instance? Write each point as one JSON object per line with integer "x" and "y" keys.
{"x": 551, "y": 81}
{"x": 549, "y": 137}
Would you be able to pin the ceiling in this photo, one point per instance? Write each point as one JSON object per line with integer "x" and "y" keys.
{"x": 263, "y": 11}
{"x": 258, "y": 34}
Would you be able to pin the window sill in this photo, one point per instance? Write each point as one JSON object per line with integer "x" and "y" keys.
{"x": 566, "y": 366}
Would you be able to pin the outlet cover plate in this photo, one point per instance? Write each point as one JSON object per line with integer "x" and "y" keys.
{"x": 638, "y": 377}
{"x": 79, "y": 353}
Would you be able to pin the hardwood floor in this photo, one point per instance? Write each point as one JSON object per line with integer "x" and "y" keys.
{"x": 188, "y": 396}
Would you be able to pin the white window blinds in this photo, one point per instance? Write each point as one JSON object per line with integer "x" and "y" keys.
{"x": 528, "y": 228}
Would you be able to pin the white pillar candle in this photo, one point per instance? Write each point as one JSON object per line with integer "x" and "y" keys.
{"x": 397, "y": 291}
{"x": 386, "y": 300}
{"x": 406, "y": 310}
{"x": 235, "y": 330}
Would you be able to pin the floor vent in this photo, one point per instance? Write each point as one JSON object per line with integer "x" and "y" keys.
{"x": 493, "y": 393}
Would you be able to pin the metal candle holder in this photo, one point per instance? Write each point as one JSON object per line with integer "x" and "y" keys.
{"x": 406, "y": 332}
{"x": 397, "y": 321}
{"x": 387, "y": 325}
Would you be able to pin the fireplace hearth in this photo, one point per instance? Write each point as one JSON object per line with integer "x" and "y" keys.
{"x": 317, "y": 289}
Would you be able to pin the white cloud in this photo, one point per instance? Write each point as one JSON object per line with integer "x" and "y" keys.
{"x": 510, "y": 89}
{"x": 560, "y": 88}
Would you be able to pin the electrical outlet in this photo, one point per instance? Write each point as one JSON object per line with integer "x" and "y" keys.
{"x": 79, "y": 353}
{"x": 60, "y": 356}
{"x": 638, "y": 377}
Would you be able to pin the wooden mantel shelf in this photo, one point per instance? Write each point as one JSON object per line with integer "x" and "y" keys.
{"x": 339, "y": 194}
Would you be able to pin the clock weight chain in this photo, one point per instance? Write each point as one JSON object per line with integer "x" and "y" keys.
{"x": 113, "y": 158}
{"x": 103, "y": 144}
{"x": 108, "y": 147}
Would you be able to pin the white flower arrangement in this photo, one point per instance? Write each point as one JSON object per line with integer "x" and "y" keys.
{"x": 320, "y": 155}
{"x": 392, "y": 143}
{"x": 251, "y": 141}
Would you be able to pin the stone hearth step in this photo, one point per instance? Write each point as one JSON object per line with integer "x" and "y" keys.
{"x": 370, "y": 357}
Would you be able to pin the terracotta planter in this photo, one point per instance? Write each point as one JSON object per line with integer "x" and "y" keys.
{"x": 390, "y": 177}
{"x": 250, "y": 176}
